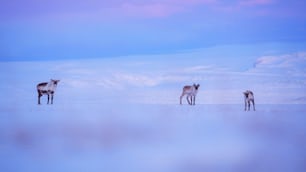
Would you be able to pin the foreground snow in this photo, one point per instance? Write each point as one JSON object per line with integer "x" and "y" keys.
{"x": 133, "y": 137}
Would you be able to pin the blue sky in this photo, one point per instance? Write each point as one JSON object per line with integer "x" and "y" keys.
{"x": 66, "y": 29}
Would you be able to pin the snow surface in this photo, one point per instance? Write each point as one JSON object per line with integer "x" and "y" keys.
{"x": 96, "y": 136}
{"x": 159, "y": 79}
{"x": 123, "y": 114}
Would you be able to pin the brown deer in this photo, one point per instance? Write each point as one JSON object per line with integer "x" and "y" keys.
{"x": 248, "y": 99}
{"x": 191, "y": 92}
{"x": 47, "y": 88}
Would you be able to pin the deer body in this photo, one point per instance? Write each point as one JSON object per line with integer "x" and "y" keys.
{"x": 248, "y": 99}
{"x": 191, "y": 92}
{"x": 47, "y": 88}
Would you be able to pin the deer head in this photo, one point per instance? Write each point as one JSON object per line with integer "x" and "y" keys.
{"x": 55, "y": 81}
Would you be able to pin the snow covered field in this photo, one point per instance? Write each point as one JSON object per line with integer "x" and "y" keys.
{"x": 89, "y": 136}
{"x": 123, "y": 114}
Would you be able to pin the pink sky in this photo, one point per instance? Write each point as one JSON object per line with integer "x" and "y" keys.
{"x": 132, "y": 8}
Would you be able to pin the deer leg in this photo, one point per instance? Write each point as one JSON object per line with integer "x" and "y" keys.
{"x": 51, "y": 98}
{"x": 181, "y": 98}
{"x": 245, "y": 105}
{"x": 191, "y": 99}
{"x": 249, "y": 105}
{"x": 188, "y": 100}
{"x": 253, "y": 104}
{"x": 48, "y": 98}
{"x": 39, "y": 95}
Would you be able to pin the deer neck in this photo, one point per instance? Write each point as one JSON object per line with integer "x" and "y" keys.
{"x": 52, "y": 86}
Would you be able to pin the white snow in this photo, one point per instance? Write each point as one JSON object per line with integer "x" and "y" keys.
{"x": 278, "y": 79}
{"x": 123, "y": 114}
{"x": 93, "y": 136}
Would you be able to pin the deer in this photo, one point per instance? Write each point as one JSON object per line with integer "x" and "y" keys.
{"x": 47, "y": 88}
{"x": 248, "y": 99}
{"x": 191, "y": 92}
